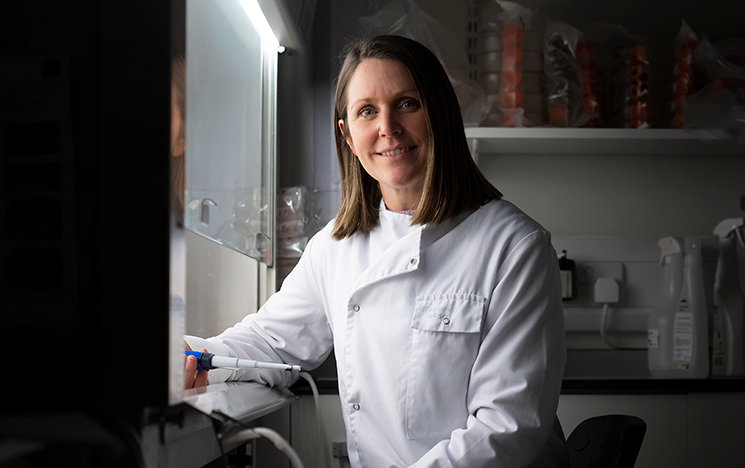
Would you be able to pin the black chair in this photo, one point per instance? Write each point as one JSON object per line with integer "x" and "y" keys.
{"x": 610, "y": 441}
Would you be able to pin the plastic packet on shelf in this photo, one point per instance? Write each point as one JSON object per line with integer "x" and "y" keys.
{"x": 622, "y": 75}
{"x": 405, "y": 18}
{"x": 291, "y": 247}
{"x": 564, "y": 72}
{"x": 684, "y": 79}
{"x": 520, "y": 96}
{"x": 291, "y": 203}
{"x": 290, "y": 228}
{"x": 297, "y": 211}
{"x": 586, "y": 57}
{"x": 717, "y": 111}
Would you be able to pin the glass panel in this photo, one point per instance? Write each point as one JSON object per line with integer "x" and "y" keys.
{"x": 230, "y": 120}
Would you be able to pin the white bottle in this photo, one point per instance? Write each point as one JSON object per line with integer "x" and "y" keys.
{"x": 660, "y": 325}
{"x": 728, "y": 354}
{"x": 690, "y": 327}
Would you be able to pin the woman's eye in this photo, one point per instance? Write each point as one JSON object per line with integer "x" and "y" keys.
{"x": 366, "y": 112}
{"x": 410, "y": 104}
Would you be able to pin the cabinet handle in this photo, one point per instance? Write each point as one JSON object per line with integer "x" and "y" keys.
{"x": 205, "y": 211}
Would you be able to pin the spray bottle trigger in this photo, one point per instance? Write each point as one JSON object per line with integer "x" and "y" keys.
{"x": 738, "y": 232}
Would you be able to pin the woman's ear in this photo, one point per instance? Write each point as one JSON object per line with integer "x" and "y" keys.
{"x": 350, "y": 142}
{"x": 341, "y": 126}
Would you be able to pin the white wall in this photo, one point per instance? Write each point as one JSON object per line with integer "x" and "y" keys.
{"x": 622, "y": 195}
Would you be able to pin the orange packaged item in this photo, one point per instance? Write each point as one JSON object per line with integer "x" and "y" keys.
{"x": 511, "y": 75}
{"x": 519, "y": 97}
{"x": 511, "y": 35}
{"x": 620, "y": 75}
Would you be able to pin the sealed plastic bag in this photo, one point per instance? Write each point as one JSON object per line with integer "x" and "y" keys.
{"x": 563, "y": 72}
{"x": 586, "y": 56}
{"x": 622, "y": 73}
{"x": 298, "y": 218}
{"x": 405, "y": 18}
{"x": 717, "y": 111}
{"x": 296, "y": 212}
{"x": 683, "y": 86}
{"x": 520, "y": 95}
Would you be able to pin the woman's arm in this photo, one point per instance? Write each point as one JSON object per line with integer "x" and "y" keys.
{"x": 290, "y": 328}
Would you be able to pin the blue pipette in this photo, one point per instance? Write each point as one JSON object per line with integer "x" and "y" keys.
{"x": 207, "y": 361}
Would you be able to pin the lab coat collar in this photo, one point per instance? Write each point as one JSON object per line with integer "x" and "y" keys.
{"x": 404, "y": 254}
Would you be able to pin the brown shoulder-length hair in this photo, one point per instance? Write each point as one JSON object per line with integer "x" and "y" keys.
{"x": 452, "y": 181}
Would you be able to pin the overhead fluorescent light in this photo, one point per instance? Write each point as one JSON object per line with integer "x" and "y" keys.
{"x": 253, "y": 10}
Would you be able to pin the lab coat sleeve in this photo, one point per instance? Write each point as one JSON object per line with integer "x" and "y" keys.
{"x": 515, "y": 382}
{"x": 291, "y": 328}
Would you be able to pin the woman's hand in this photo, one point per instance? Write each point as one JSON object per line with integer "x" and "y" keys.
{"x": 192, "y": 377}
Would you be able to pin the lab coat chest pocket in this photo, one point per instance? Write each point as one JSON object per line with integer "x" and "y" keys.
{"x": 445, "y": 335}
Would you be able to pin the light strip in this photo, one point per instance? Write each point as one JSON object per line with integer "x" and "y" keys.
{"x": 253, "y": 10}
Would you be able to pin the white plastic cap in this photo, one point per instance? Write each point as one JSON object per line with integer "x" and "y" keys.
{"x": 669, "y": 246}
{"x": 731, "y": 226}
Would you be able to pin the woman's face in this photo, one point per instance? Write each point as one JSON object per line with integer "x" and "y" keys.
{"x": 388, "y": 130}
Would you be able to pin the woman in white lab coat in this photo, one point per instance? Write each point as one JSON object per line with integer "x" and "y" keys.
{"x": 441, "y": 301}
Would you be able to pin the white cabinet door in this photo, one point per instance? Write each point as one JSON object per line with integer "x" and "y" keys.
{"x": 716, "y": 430}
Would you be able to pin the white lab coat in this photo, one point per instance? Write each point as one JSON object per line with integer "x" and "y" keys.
{"x": 449, "y": 339}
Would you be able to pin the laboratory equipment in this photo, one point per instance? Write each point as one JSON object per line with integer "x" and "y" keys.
{"x": 207, "y": 361}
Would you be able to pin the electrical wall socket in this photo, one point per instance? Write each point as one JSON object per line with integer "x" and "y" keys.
{"x": 587, "y": 274}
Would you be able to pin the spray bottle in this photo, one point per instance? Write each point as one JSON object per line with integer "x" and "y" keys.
{"x": 690, "y": 327}
{"x": 660, "y": 325}
{"x": 728, "y": 354}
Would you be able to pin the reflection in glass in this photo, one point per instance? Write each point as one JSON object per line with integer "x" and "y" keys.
{"x": 231, "y": 74}
{"x": 176, "y": 157}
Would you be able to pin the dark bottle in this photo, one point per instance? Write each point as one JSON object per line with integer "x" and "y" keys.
{"x": 568, "y": 273}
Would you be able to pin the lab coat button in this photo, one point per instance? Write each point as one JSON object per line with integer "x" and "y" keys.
{"x": 356, "y": 308}
{"x": 413, "y": 261}
{"x": 356, "y": 406}
{"x": 446, "y": 320}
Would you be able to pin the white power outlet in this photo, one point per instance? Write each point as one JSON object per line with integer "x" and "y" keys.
{"x": 587, "y": 275}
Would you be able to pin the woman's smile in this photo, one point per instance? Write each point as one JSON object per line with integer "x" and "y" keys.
{"x": 397, "y": 151}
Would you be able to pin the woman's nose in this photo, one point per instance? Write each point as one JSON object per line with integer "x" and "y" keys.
{"x": 389, "y": 124}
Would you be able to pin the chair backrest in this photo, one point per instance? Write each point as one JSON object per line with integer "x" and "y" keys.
{"x": 610, "y": 441}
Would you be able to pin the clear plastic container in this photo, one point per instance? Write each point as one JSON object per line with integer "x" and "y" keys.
{"x": 660, "y": 325}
